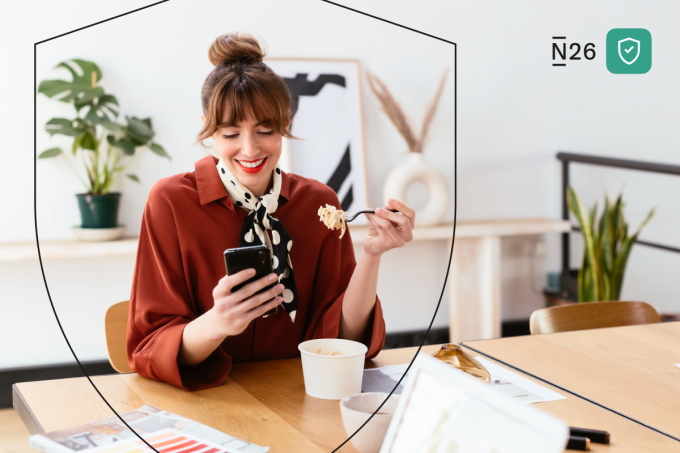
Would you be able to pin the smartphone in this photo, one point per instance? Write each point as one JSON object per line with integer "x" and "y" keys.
{"x": 256, "y": 257}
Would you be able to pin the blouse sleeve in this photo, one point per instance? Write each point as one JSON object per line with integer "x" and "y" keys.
{"x": 161, "y": 304}
{"x": 336, "y": 265}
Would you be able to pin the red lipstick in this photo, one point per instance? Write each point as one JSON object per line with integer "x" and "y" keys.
{"x": 251, "y": 170}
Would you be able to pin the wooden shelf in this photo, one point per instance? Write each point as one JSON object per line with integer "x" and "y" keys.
{"x": 67, "y": 249}
{"x": 128, "y": 246}
{"x": 478, "y": 228}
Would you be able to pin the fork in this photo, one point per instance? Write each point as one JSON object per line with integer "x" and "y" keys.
{"x": 367, "y": 211}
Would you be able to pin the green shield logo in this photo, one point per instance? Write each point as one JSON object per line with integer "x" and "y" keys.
{"x": 629, "y": 51}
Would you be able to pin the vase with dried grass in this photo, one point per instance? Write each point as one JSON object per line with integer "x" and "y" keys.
{"x": 414, "y": 169}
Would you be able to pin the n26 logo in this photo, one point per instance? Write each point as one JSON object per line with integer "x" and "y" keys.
{"x": 560, "y": 54}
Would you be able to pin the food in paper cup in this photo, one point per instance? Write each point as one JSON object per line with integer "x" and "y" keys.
{"x": 318, "y": 351}
{"x": 332, "y": 376}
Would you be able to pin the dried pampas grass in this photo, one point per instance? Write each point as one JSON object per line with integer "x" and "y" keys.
{"x": 395, "y": 113}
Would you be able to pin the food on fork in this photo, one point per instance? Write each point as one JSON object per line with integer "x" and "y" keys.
{"x": 333, "y": 218}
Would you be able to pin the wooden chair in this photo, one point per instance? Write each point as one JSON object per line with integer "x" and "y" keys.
{"x": 591, "y": 315}
{"x": 115, "y": 326}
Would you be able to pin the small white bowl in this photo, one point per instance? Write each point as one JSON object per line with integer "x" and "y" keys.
{"x": 356, "y": 409}
{"x": 332, "y": 377}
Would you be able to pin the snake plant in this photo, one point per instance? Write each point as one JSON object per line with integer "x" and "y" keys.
{"x": 106, "y": 147}
{"x": 606, "y": 248}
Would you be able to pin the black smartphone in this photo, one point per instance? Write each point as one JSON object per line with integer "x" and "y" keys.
{"x": 256, "y": 257}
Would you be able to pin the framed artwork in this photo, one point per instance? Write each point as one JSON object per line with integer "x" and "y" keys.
{"x": 327, "y": 117}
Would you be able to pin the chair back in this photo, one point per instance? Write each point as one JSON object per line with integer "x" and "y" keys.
{"x": 115, "y": 326}
{"x": 591, "y": 315}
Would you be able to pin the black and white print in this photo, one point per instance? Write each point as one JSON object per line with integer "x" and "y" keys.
{"x": 327, "y": 117}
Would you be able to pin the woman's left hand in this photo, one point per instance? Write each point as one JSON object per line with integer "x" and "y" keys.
{"x": 389, "y": 229}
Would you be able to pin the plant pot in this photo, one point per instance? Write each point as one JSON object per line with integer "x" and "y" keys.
{"x": 556, "y": 299}
{"x": 99, "y": 211}
{"x": 415, "y": 169}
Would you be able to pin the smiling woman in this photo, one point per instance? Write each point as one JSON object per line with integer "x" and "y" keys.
{"x": 246, "y": 108}
{"x": 186, "y": 325}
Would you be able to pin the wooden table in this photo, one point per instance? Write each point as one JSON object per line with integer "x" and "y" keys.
{"x": 630, "y": 370}
{"x": 265, "y": 403}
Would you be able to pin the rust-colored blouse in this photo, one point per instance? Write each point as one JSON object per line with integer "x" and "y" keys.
{"x": 189, "y": 221}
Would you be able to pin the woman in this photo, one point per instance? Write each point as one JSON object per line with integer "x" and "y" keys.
{"x": 186, "y": 326}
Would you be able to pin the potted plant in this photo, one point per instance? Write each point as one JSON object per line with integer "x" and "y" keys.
{"x": 103, "y": 147}
{"x": 606, "y": 248}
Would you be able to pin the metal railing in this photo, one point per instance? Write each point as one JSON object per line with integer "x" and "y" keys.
{"x": 568, "y": 158}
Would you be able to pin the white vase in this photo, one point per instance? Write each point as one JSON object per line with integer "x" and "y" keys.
{"x": 414, "y": 169}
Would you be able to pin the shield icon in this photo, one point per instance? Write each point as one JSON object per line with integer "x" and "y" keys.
{"x": 629, "y": 50}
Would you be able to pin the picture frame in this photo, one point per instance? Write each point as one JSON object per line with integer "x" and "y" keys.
{"x": 327, "y": 116}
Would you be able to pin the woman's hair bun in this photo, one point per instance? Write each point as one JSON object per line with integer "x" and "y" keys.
{"x": 235, "y": 48}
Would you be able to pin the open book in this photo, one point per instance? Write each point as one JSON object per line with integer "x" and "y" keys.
{"x": 165, "y": 431}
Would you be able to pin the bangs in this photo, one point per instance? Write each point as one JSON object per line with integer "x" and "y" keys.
{"x": 268, "y": 107}
{"x": 246, "y": 102}
{"x": 238, "y": 93}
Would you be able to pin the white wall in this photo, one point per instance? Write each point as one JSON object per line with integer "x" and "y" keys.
{"x": 515, "y": 111}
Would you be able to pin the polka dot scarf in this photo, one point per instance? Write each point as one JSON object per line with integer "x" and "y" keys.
{"x": 258, "y": 221}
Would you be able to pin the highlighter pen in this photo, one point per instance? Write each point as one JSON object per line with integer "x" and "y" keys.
{"x": 578, "y": 443}
{"x": 597, "y": 436}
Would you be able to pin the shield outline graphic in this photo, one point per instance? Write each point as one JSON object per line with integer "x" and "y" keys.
{"x": 638, "y": 50}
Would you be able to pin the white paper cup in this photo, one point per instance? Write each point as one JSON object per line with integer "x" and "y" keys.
{"x": 332, "y": 377}
{"x": 356, "y": 409}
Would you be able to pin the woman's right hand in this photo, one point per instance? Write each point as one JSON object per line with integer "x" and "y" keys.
{"x": 233, "y": 311}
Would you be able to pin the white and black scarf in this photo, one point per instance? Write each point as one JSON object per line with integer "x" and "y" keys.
{"x": 259, "y": 220}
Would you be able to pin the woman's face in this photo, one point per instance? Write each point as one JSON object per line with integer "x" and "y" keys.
{"x": 251, "y": 151}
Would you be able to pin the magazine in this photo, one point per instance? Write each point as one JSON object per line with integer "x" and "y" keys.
{"x": 505, "y": 381}
{"x": 161, "y": 429}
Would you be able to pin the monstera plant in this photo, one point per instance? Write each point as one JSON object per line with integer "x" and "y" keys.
{"x": 607, "y": 246}
{"x": 104, "y": 147}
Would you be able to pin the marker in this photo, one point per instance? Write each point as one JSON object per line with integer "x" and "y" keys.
{"x": 595, "y": 435}
{"x": 578, "y": 443}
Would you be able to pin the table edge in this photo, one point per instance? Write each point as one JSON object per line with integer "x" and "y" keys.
{"x": 25, "y": 413}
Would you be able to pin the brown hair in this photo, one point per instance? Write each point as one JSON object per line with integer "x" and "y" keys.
{"x": 242, "y": 83}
